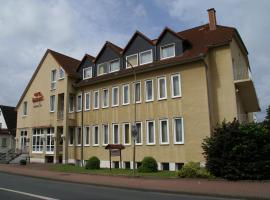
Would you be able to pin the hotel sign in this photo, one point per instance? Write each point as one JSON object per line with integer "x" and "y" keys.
{"x": 37, "y": 98}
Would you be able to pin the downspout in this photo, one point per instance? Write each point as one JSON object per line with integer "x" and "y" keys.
{"x": 82, "y": 131}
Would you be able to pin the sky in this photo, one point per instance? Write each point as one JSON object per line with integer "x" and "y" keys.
{"x": 75, "y": 27}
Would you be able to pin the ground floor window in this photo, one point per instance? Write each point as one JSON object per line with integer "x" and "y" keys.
{"x": 37, "y": 140}
{"x": 4, "y": 142}
{"x": 127, "y": 165}
{"x": 178, "y": 166}
{"x": 50, "y": 140}
{"x": 165, "y": 166}
{"x": 116, "y": 164}
{"x": 71, "y": 135}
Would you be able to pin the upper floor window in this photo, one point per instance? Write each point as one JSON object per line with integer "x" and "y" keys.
{"x": 115, "y": 96}
{"x": 96, "y": 99}
{"x": 162, "y": 88}
{"x": 61, "y": 73}
{"x": 105, "y": 98}
{"x": 149, "y": 90}
{"x": 25, "y": 108}
{"x": 107, "y": 67}
{"x": 71, "y": 103}
{"x": 137, "y": 92}
{"x": 132, "y": 61}
{"x": 87, "y": 101}
{"x": 115, "y": 65}
{"x": 53, "y": 79}
{"x": 87, "y": 73}
{"x": 175, "y": 85}
{"x": 167, "y": 51}
{"x": 126, "y": 94}
{"x": 146, "y": 57}
{"x": 79, "y": 102}
{"x": 71, "y": 136}
{"x": 103, "y": 69}
{"x": 52, "y": 103}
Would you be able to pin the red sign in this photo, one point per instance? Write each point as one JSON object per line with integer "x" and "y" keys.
{"x": 37, "y": 97}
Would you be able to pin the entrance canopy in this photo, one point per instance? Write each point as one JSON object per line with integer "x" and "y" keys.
{"x": 115, "y": 146}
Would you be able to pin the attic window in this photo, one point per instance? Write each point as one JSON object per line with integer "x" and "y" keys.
{"x": 102, "y": 69}
{"x": 167, "y": 51}
{"x": 61, "y": 73}
{"x": 87, "y": 73}
{"x": 114, "y": 65}
{"x": 132, "y": 61}
{"x": 146, "y": 57}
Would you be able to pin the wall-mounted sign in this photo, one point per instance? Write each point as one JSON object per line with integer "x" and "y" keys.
{"x": 37, "y": 97}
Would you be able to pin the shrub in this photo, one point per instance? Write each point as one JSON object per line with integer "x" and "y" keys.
{"x": 93, "y": 163}
{"x": 193, "y": 170}
{"x": 238, "y": 151}
{"x": 149, "y": 164}
{"x": 22, "y": 162}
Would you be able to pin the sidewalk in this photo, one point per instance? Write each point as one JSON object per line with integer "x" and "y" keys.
{"x": 247, "y": 189}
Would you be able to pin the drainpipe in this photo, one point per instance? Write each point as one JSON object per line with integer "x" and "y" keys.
{"x": 82, "y": 131}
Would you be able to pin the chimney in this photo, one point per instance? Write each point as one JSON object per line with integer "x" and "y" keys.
{"x": 212, "y": 19}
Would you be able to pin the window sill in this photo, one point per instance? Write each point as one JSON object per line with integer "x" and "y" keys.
{"x": 23, "y": 116}
{"x": 149, "y": 101}
{"x": 126, "y": 104}
{"x": 165, "y": 58}
{"x": 37, "y": 152}
{"x": 167, "y": 143}
{"x": 95, "y": 145}
{"x": 87, "y": 110}
{"x": 175, "y": 97}
{"x": 71, "y": 145}
{"x": 151, "y": 144}
{"x": 113, "y": 106}
{"x": 138, "y": 144}
{"x": 161, "y": 99}
{"x": 105, "y": 107}
{"x": 179, "y": 143}
{"x": 86, "y": 145}
{"x": 95, "y": 108}
{"x": 61, "y": 79}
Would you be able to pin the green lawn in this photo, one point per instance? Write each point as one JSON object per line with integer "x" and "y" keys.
{"x": 113, "y": 172}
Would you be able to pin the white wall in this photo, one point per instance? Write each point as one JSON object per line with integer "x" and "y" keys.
{"x": 2, "y": 120}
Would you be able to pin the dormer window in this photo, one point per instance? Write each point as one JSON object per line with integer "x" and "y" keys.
{"x": 108, "y": 67}
{"x": 167, "y": 51}
{"x": 102, "y": 69}
{"x": 115, "y": 65}
{"x": 61, "y": 73}
{"x": 132, "y": 61}
{"x": 146, "y": 57}
{"x": 87, "y": 73}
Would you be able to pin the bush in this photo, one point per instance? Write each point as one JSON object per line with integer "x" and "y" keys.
{"x": 238, "y": 151}
{"x": 93, "y": 163}
{"x": 149, "y": 164}
{"x": 22, "y": 162}
{"x": 193, "y": 170}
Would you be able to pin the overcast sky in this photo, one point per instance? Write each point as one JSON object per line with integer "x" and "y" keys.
{"x": 28, "y": 28}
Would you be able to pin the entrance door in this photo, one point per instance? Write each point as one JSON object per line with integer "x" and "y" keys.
{"x": 23, "y": 141}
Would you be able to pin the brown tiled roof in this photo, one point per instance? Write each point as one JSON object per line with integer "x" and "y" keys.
{"x": 114, "y": 47}
{"x": 10, "y": 116}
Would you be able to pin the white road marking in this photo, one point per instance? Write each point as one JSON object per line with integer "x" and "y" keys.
{"x": 28, "y": 194}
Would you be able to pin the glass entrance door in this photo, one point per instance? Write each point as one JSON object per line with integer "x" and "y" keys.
{"x": 23, "y": 141}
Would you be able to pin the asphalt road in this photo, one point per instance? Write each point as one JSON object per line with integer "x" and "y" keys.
{"x": 28, "y": 188}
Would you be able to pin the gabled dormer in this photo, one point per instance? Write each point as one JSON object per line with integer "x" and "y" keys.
{"x": 169, "y": 44}
{"x": 86, "y": 67}
{"x": 108, "y": 59}
{"x": 140, "y": 50}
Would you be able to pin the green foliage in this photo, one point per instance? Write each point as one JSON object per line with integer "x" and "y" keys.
{"x": 22, "y": 162}
{"x": 267, "y": 118}
{"x": 193, "y": 170}
{"x": 149, "y": 164}
{"x": 93, "y": 163}
{"x": 236, "y": 151}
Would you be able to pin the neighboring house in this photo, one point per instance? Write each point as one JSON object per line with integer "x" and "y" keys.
{"x": 8, "y": 121}
{"x": 186, "y": 83}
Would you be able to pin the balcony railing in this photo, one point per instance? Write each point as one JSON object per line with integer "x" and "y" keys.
{"x": 60, "y": 115}
{"x": 241, "y": 72}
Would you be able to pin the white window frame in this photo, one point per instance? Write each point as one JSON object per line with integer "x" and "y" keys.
{"x": 108, "y": 127}
{"x": 84, "y": 136}
{"x": 40, "y": 137}
{"x": 164, "y": 46}
{"x": 127, "y": 65}
{"x": 93, "y": 136}
{"x": 113, "y": 133}
{"x": 145, "y": 90}
{"x": 94, "y": 102}
{"x": 61, "y": 71}
{"x": 69, "y": 102}
{"x": 51, "y": 145}
{"x": 87, "y": 68}
{"x": 147, "y": 132}
{"x": 113, "y": 91}
{"x": 124, "y": 133}
{"x": 158, "y": 86}
{"x": 160, "y": 132}
{"x": 174, "y": 130}
{"x": 150, "y": 50}
{"x": 78, "y": 143}
{"x": 73, "y": 136}
{"x": 108, "y": 98}
{"x": 134, "y": 92}
{"x": 99, "y": 66}
{"x": 52, "y": 110}
{"x": 25, "y": 109}
{"x": 118, "y": 59}
{"x": 141, "y": 134}
{"x": 53, "y": 82}
{"x": 123, "y": 92}
{"x": 172, "y": 86}
{"x": 85, "y": 94}
{"x": 78, "y": 110}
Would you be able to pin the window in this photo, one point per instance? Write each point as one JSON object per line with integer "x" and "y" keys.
{"x": 150, "y": 130}
{"x": 167, "y": 51}
{"x": 175, "y": 85}
{"x": 165, "y": 166}
{"x": 115, "y": 134}
{"x": 25, "y": 108}
{"x": 125, "y": 94}
{"x": 53, "y": 79}
{"x": 103, "y": 69}
{"x": 149, "y": 96}
{"x": 105, "y": 134}
{"x": 79, "y": 136}
{"x": 86, "y": 139}
{"x": 79, "y": 103}
{"x": 37, "y": 140}
{"x": 139, "y": 135}
{"x": 132, "y": 61}
{"x": 71, "y": 103}
{"x": 162, "y": 88}
{"x": 61, "y": 73}
{"x": 105, "y": 99}
{"x": 115, "y": 96}
{"x": 87, "y": 101}
{"x": 178, "y": 130}
{"x": 127, "y": 165}
{"x": 95, "y": 136}
{"x": 115, "y": 65}
{"x": 50, "y": 140}
{"x": 126, "y": 133}
{"x": 87, "y": 73}
{"x": 71, "y": 136}
{"x": 164, "y": 131}
{"x": 4, "y": 142}
{"x": 146, "y": 57}
{"x": 137, "y": 92}
{"x": 96, "y": 99}
{"x": 52, "y": 103}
